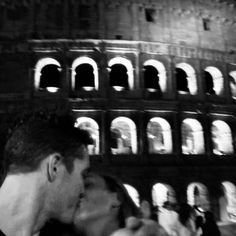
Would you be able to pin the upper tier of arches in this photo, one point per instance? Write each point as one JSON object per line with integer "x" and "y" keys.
{"x": 123, "y": 75}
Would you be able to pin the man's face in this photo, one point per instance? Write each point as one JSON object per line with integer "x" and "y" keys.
{"x": 71, "y": 187}
{"x": 96, "y": 203}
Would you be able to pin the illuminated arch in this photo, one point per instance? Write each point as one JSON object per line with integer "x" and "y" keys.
{"x": 218, "y": 81}
{"x": 128, "y": 65}
{"x": 133, "y": 193}
{"x": 162, "y": 193}
{"x": 191, "y": 77}
{"x": 38, "y": 68}
{"x": 162, "y": 72}
{"x": 232, "y": 83}
{"x": 159, "y": 136}
{"x": 124, "y": 133}
{"x": 197, "y": 195}
{"x": 84, "y": 60}
{"x": 230, "y": 193}
{"x": 192, "y": 137}
{"x": 92, "y": 127}
{"x": 221, "y": 138}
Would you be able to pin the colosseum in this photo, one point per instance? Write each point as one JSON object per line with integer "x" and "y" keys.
{"x": 154, "y": 82}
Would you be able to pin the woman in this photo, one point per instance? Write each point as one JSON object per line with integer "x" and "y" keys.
{"x": 209, "y": 227}
{"x": 105, "y": 207}
{"x": 186, "y": 223}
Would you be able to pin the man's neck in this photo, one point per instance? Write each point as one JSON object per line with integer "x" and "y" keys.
{"x": 22, "y": 204}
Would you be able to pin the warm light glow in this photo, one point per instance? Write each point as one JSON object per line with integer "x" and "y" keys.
{"x": 127, "y": 63}
{"x": 152, "y": 90}
{"x": 191, "y": 77}
{"x": 162, "y": 193}
{"x": 162, "y": 73}
{"x": 192, "y": 137}
{"x": 38, "y": 68}
{"x": 217, "y": 79}
{"x": 52, "y": 89}
{"x": 88, "y": 88}
{"x": 198, "y": 198}
{"x": 233, "y": 84}
{"x": 84, "y": 60}
{"x": 230, "y": 193}
{"x": 92, "y": 127}
{"x": 221, "y": 138}
{"x": 133, "y": 193}
{"x": 159, "y": 136}
{"x": 118, "y": 88}
{"x": 127, "y": 129}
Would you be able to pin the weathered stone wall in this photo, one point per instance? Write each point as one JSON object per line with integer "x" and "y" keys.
{"x": 172, "y": 21}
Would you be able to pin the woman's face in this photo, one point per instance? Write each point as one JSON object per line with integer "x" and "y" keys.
{"x": 97, "y": 203}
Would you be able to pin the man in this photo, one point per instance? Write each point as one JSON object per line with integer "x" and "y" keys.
{"x": 46, "y": 160}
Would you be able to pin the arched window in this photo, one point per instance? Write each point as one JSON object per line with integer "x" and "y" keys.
{"x": 159, "y": 136}
{"x": 221, "y": 138}
{"x": 154, "y": 76}
{"x": 192, "y": 137}
{"x": 232, "y": 76}
{"x": 162, "y": 193}
{"x": 213, "y": 81}
{"x": 197, "y": 195}
{"x": 230, "y": 193}
{"x": 186, "y": 81}
{"x": 47, "y": 75}
{"x": 91, "y": 126}
{"x": 164, "y": 199}
{"x": 84, "y": 74}
{"x": 133, "y": 193}
{"x": 123, "y": 136}
{"x": 121, "y": 74}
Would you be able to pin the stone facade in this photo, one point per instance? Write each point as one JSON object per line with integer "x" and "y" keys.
{"x": 199, "y": 33}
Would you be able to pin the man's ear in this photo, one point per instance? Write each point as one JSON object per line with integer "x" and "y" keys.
{"x": 54, "y": 163}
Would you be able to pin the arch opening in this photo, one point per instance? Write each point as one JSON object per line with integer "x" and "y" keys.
{"x": 92, "y": 128}
{"x": 192, "y": 137}
{"x": 214, "y": 82}
{"x": 186, "y": 80}
{"x": 221, "y": 138}
{"x": 47, "y": 75}
{"x": 123, "y": 136}
{"x": 121, "y": 74}
{"x": 197, "y": 195}
{"x": 84, "y": 74}
{"x": 159, "y": 136}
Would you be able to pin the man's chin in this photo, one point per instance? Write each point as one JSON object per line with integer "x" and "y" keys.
{"x": 69, "y": 217}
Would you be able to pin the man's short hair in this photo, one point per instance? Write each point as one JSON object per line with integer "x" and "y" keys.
{"x": 38, "y": 135}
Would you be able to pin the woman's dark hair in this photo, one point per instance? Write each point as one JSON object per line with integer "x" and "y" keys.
{"x": 185, "y": 212}
{"x": 127, "y": 207}
{"x": 199, "y": 222}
